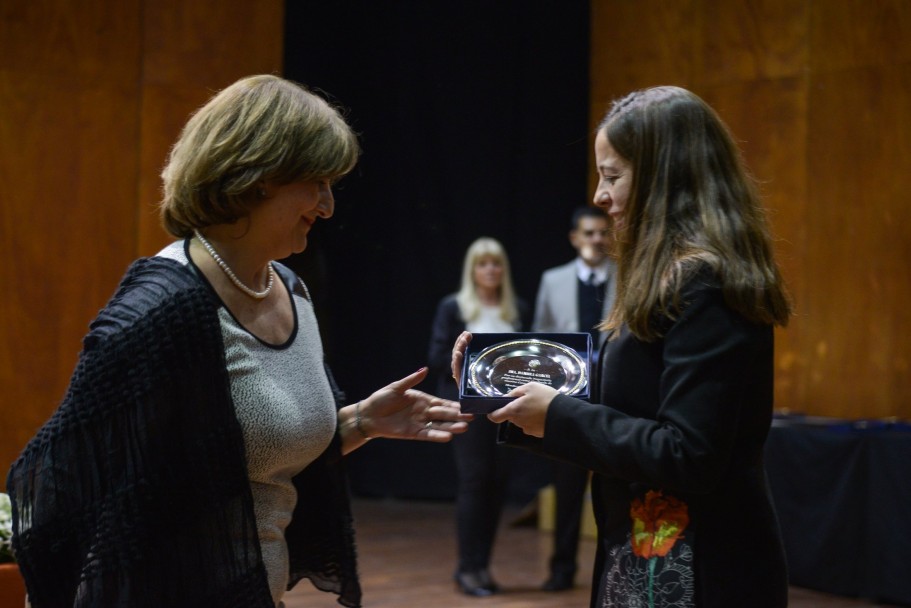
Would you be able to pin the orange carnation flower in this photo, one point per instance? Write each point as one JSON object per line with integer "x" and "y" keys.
{"x": 657, "y": 523}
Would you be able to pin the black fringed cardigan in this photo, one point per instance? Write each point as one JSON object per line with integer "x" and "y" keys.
{"x": 135, "y": 492}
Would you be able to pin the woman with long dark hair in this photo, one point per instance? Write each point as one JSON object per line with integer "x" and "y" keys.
{"x": 684, "y": 402}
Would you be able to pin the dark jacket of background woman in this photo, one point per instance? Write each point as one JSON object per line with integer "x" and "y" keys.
{"x": 483, "y": 467}
{"x": 447, "y": 325}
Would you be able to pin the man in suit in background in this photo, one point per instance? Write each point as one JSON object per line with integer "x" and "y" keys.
{"x": 571, "y": 298}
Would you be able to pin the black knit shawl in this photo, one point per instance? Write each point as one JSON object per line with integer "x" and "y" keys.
{"x": 135, "y": 492}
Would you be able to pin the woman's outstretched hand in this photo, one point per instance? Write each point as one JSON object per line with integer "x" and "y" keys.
{"x": 399, "y": 411}
{"x": 529, "y": 410}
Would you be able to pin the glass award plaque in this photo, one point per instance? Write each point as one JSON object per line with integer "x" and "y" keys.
{"x": 501, "y": 367}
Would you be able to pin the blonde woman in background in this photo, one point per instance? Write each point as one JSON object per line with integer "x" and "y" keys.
{"x": 485, "y": 303}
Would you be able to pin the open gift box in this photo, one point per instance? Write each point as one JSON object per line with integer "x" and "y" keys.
{"x": 495, "y": 363}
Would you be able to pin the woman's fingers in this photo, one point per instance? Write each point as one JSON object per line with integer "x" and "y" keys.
{"x": 445, "y": 409}
{"x": 441, "y": 432}
{"x": 409, "y": 381}
{"x": 458, "y": 354}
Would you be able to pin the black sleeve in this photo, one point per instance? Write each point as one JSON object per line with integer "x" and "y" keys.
{"x": 715, "y": 375}
{"x": 447, "y": 325}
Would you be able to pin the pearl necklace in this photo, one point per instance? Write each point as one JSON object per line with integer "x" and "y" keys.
{"x": 256, "y": 295}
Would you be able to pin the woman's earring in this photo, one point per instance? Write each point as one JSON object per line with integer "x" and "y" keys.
{"x": 261, "y": 192}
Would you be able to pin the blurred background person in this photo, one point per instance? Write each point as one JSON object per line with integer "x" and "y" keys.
{"x": 575, "y": 297}
{"x": 485, "y": 303}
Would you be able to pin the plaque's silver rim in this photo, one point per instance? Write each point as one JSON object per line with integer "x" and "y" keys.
{"x": 474, "y": 368}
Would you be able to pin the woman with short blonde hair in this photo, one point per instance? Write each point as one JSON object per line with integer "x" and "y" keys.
{"x": 259, "y": 128}
{"x": 196, "y": 459}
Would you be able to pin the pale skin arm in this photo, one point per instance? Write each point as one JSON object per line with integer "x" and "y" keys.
{"x": 528, "y": 411}
{"x": 398, "y": 411}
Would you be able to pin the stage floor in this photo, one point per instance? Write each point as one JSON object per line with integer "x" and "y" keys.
{"x": 407, "y": 557}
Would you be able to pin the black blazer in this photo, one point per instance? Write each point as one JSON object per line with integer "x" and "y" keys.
{"x": 680, "y": 427}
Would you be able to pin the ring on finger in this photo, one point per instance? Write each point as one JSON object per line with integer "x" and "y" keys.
{"x": 429, "y": 424}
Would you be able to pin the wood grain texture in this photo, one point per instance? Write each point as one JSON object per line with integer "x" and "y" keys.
{"x": 847, "y": 35}
{"x": 752, "y": 41}
{"x": 817, "y": 95}
{"x": 68, "y": 144}
{"x": 91, "y": 97}
{"x": 191, "y": 51}
{"x": 93, "y": 94}
{"x": 857, "y": 317}
{"x": 772, "y": 134}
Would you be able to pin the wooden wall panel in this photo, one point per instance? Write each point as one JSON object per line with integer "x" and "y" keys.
{"x": 857, "y": 316}
{"x": 750, "y": 41}
{"x": 855, "y": 311}
{"x": 626, "y": 55}
{"x": 845, "y": 34}
{"x": 191, "y": 50}
{"x": 772, "y": 133}
{"x": 91, "y": 97}
{"x": 640, "y": 44}
{"x": 52, "y": 41}
{"x": 817, "y": 95}
{"x": 68, "y": 151}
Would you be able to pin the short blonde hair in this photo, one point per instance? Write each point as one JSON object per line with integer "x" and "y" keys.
{"x": 468, "y": 300}
{"x": 259, "y": 128}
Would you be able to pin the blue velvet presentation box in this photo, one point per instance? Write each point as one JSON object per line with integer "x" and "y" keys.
{"x": 497, "y": 362}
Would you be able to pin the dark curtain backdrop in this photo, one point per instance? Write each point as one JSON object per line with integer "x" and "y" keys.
{"x": 473, "y": 118}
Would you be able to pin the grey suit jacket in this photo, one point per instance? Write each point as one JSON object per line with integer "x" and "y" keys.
{"x": 557, "y": 304}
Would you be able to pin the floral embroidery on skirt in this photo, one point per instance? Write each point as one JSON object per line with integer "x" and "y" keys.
{"x": 654, "y": 569}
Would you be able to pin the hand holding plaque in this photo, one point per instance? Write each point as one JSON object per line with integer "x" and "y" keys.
{"x": 501, "y": 367}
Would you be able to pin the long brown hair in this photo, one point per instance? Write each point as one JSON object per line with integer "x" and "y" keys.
{"x": 692, "y": 203}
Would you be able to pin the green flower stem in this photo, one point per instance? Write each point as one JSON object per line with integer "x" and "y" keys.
{"x": 651, "y": 581}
